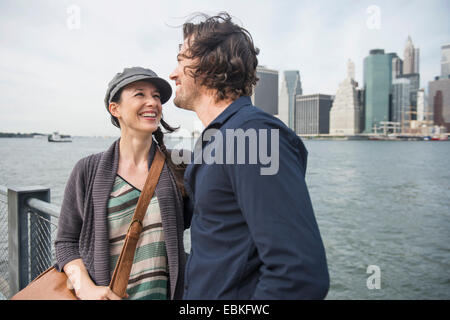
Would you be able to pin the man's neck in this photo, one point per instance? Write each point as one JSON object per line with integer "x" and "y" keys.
{"x": 207, "y": 108}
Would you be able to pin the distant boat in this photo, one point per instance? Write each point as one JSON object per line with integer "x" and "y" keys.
{"x": 440, "y": 137}
{"x": 56, "y": 137}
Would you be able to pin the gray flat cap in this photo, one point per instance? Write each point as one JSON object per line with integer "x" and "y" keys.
{"x": 130, "y": 75}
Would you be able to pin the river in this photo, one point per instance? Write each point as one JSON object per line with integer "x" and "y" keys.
{"x": 377, "y": 203}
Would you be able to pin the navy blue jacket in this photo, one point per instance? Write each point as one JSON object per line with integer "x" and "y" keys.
{"x": 253, "y": 236}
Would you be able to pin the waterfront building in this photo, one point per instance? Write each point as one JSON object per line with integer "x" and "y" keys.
{"x": 445, "y": 61}
{"x": 414, "y": 79}
{"x": 422, "y": 106}
{"x": 397, "y": 66}
{"x": 410, "y": 58}
{"x": 400, "y": 99}
{"x": 265, "y": 93}
{"x": 312, "y": 114}
{"x": 345, "y": 110}
{"x": 283, "y": 103}
{"x": 439, "y": 101}
{"x": 360, "y": 96}
{"x": 377, "y": 88}
{"x": 291, "y": 87}
{"x": 416, "y": 60}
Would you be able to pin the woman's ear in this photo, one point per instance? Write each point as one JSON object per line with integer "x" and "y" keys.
{"x": 113, "y": 106}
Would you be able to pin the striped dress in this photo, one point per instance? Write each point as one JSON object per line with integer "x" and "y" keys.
{"x": 149, "y": 273}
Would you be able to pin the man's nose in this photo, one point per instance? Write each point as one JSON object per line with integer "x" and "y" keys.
{"x": 173, "y": 75}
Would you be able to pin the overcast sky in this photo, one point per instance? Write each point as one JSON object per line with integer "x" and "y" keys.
{"x": 57, "y": 57}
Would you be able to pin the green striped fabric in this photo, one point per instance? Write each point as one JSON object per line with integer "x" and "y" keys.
{"x": 149, "y": 273}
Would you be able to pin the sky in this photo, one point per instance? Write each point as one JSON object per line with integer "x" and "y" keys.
{"x": 57, "y": 57}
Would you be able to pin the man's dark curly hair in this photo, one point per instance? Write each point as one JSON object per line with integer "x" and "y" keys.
{"x": 224, "y": 55}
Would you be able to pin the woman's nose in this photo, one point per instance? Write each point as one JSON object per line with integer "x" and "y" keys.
{"x": 152, "y": 101}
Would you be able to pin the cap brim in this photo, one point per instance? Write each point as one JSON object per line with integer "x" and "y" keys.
{"x": 162, "y": 85}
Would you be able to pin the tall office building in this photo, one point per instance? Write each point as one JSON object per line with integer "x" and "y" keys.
{"x": 377, "y": 88}
{"x": 400, "y": 99}
{"x": 414, "y": 79}
{"x": 312, "y": 114}
{"x": 445, "y": 61}
{"x": 397, "y": 66}
{"x": 283, "y": 103}
{"x": 411, "y": 58}
{"x": 345, "y": 110}
{"x": 416, "y": 60}
{"x": 265, "y": 93}
{"x": 439, "y": 101}
{"x": 360, "y": 97}
{"x": 422, "y": 106}
{"x": 293, "y": 87}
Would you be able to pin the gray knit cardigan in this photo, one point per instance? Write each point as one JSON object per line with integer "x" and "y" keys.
{"x": 83, "y": 228}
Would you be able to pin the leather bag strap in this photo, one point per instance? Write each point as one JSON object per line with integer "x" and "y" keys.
{"x": 121, "y": 275}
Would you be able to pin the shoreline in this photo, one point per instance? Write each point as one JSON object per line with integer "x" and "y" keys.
{"x": 375, "y": 137}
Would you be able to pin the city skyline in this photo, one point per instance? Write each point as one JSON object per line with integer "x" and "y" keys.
{"x": 56, "y": 66}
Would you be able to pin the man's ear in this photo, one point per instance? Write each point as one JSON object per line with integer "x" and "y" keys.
{"x": 113, "y": 106}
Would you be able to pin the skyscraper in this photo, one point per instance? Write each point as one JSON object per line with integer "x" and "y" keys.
{"x": 445, "y": 61}
{"x": 312, "y": 114}
{"x": 416, "y": 60}
{"x": 283, "y": 103}
{"x": 439, "y": 101}
{"x": 360, "y": 97}
{"x": 422, "y": 106}
{"x": 265, "y": 93}
{"x": 414, "y": 79}
{"x": 397, "y": 66}
{"x": 408, "y": 57}
{"x": 411, "y": 58}
{"x": 377, "y": 88}
{"x": 400, "y": 100}
{"x": 294, "y": 87}
{"x": 345, "y": 111}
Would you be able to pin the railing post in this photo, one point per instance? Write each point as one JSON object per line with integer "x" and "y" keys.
{"x": 18, "y": 233}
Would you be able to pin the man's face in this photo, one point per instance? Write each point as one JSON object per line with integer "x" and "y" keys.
{"x": 187, "y": 90}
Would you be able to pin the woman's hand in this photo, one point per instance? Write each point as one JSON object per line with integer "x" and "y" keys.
{"x": 84, "y": 287}
{"x": 93, "y": 292}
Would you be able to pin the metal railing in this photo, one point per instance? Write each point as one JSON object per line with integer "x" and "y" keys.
{"x": 28, "y": 223}
{"x": 4, "y": 275}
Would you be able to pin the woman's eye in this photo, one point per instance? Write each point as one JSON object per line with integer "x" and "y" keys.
{"x": 157, "y": 96}
{"x": 139, "y": 94}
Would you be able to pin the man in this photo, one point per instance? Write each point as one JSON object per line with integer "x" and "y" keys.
{"x": 253, "y": 230}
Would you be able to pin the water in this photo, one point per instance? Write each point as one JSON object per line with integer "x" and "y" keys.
{"x": 383, "y": 203}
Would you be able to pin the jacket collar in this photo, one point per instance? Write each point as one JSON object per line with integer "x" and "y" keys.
{"x": 226, "y": 114}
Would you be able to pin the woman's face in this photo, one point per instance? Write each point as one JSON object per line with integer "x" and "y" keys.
{"x": 139, "y": 107}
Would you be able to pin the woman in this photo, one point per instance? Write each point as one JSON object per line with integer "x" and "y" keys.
{"x": 102, "y": 192}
